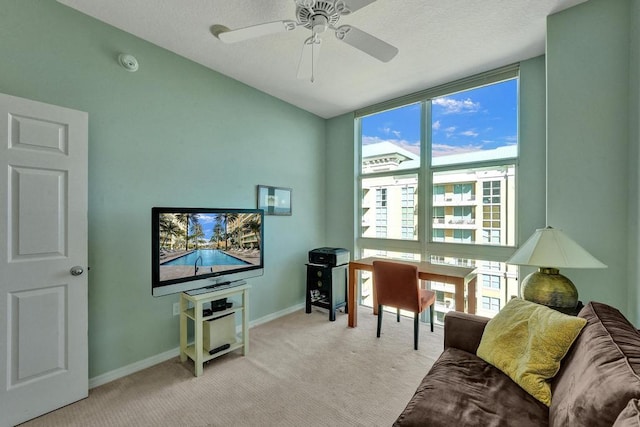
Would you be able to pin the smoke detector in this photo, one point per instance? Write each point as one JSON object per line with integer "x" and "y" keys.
{"x": 129, "y": 62}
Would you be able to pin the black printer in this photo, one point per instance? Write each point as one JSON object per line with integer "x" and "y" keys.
{"x": 329, "y": 256}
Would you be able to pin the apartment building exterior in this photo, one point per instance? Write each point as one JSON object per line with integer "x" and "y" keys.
{"x": 469, "y": 206}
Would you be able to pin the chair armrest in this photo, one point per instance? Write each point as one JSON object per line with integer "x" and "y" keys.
{"x": 463, "y": 330}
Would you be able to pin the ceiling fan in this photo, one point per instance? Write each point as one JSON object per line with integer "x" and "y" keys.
{"x": 317, "y": 16}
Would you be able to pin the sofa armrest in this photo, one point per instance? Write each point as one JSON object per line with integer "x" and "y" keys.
{"x": 463, "y": 330}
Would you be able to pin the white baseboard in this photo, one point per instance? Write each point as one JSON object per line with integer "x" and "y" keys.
{"x": 175, "y": 352}
{"x": 277, "y": 314}
{"x": 132, "y": 368}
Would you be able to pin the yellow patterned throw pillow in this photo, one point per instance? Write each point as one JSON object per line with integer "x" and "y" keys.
{"x": 527, "y": 341}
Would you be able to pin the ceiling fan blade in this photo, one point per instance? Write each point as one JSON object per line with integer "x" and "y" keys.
{"x": 309, "y": 57}
{"x": 367, "y": 43}
{"x": 246, "y": 33}
{"x": 306, "y": 4}
{"x": 346, "y": 7}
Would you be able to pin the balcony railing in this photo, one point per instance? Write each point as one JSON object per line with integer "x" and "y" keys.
{"x": 462, "y": 221}
{"x": 454, "y": 201}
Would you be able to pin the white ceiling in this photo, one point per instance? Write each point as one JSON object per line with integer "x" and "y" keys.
{"x": 439, "y": 41}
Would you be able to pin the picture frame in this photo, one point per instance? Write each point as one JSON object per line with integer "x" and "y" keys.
{"x": 274, "y": 200}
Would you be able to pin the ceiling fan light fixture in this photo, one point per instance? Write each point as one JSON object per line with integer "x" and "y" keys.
{"x": 319, "y": 24}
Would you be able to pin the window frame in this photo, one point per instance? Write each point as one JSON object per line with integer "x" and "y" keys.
{"x": 491, "y": 301}
{"x": 425, "y": 245}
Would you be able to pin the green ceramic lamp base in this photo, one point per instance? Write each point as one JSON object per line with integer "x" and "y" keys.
{"x": 548, "y": 287}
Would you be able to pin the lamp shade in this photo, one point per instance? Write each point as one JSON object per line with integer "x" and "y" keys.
{"x": 550, "y": 247}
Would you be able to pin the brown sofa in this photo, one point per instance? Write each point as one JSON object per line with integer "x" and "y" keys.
{"x": 598, "y": 383}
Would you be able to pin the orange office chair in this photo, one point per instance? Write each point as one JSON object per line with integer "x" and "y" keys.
{"x": 397, "y": 285}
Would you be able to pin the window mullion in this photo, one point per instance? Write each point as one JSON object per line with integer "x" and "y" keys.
{"x": 426, "y": 183}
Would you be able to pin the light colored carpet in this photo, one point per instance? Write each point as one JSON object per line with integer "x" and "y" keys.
{"x": 301, "y": 370}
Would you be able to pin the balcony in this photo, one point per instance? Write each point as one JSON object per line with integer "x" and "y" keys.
{"x": 445, "y": 307}
{"x": 462, "y": 221}
{"x": 444, "y": 287}
{"x": 454, "y": 201}
{"x": 457, "y": 223}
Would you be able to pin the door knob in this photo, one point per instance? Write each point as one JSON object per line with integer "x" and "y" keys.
{"x": 76, "y": 271}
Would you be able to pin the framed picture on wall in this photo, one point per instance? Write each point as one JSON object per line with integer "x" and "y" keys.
{"x": 274, "y": 200}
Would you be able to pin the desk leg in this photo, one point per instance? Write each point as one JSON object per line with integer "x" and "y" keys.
{"x": 472, "y": 296}
{"x": 374, "y": 296}
{"x": 459, "y": 284}
{"x": 353, "y": 308}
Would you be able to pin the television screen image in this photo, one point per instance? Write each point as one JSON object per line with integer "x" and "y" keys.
{"x": 195, "y": 248}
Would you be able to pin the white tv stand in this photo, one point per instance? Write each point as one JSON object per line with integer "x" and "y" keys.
{"x": 196, "y": 351}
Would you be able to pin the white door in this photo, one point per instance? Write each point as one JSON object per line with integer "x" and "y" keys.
{"x": 43, "y": 236}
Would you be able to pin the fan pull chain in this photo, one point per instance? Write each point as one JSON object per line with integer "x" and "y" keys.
{"x": 315, "y": 40}
{"x": 313, "y": 66}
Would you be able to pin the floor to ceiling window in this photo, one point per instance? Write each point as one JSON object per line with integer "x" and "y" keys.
{"x": 438, "y": 182}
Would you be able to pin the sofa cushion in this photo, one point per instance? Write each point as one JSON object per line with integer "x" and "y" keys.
{"x": 630, "y": 415}
{"x": 600, "y": 373}
{"x": 463, "y": 330}
{"x": 527, "y": 341}
{"x": 463, "y": 390}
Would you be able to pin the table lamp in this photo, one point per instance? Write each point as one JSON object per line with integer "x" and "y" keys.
{"x": 550, "y": 249}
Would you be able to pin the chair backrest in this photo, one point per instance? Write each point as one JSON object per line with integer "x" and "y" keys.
{"x": 397, "y": 285}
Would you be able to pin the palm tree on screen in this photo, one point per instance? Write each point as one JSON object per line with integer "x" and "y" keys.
{"x": 183, "y": 220}
{"x": 194, "y": 220}
{"x": 253, "y": 226}
{"x": 169, "y": 229}
{"x": 225, "y": 219}
{"x": 218, "y": 232}
{"x": 197, "y": 233}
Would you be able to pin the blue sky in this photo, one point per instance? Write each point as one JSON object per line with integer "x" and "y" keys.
{"x": 479, "y": 119}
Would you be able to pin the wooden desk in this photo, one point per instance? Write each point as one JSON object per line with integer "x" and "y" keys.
{"x": 458, "y": 276}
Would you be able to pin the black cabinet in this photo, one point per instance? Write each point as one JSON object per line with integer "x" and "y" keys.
{"x": 327, "y": 287}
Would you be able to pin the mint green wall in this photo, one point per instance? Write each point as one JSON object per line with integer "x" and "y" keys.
{"x": 342, "y": 169}
{"x": 173, "y": 133}
{"x": 532, "y": 149}
{"x": 634, "y": 161}
{"x": 588, "y": 118}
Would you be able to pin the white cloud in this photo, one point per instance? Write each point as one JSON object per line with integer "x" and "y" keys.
{"x": 469, "y": 133}
{"x": 387, "y": 130}
{"x": 512, "y": 139}
{"x": 447, "y": 150}
{"x": 436, "y": 125}
{"x": 452, "y": 106}
{"x": 412, "y": 146}
{"x": 450, "y": 131}
{"x": 366, "y": 140}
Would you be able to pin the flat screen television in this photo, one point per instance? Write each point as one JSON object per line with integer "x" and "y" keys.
{"x": 196, "y": 248}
